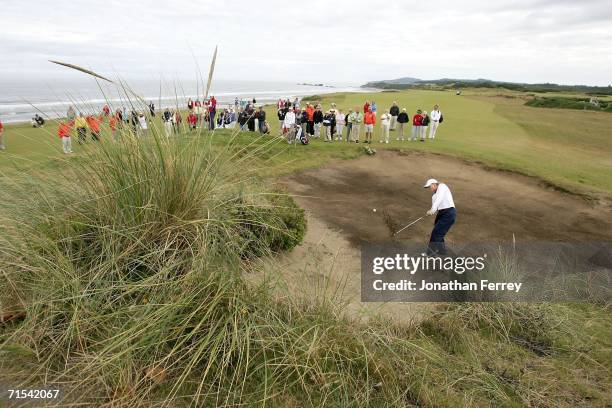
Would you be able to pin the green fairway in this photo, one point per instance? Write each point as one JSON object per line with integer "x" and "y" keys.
{"x": 569, "y": 149}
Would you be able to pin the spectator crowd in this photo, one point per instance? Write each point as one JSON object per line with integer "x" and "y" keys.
{"x": 298, "y": 123}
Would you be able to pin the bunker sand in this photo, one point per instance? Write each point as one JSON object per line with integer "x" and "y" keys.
{"x": 492, "y": 205}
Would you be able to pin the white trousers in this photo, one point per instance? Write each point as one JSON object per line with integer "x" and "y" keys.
{"x": 432, "y": 129}
{"x": 384, "y": 133}
{"x": 168, "y": 127}
{"x": 67, "y": 144}
{"x": 423, "y": 132}
{"x": 355, "y": 129}
{"x": 317, "y": 129}
{"x": 339, "y": 128}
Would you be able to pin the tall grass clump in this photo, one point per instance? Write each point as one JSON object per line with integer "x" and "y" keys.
{"x": 129, "y": 265}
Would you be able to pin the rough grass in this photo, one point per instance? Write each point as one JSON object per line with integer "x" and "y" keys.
{"x": 569, "y": 103}
{"x": 131, "y": 261}
{"x": 132, "y": 272}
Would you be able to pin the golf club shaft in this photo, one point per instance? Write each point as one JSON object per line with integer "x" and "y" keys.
{"x": 412, "y": 223}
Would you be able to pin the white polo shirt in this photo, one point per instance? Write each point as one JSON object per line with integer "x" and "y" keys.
{"x": 289, "y": 119}
{"x": 435, "y": 115}
{"x": 442, "y": 199}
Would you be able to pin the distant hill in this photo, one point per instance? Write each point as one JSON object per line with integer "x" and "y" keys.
{"x": 400, "y": 81}
{"x": 450, "y": 83}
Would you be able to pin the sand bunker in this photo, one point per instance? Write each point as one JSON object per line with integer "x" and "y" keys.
{"x": 492, "y": 206}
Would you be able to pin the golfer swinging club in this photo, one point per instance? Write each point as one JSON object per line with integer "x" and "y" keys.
{"x": 442, "y": 203}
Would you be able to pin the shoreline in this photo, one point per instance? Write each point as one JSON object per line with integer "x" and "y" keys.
{"x": 53, "y": 110}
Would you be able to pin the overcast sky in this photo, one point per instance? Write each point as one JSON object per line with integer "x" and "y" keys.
{"x": 316, "y": 40}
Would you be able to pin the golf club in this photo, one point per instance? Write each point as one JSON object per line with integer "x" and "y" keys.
{"x": 412, "y": 223}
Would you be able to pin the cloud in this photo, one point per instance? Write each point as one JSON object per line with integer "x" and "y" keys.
{"x": 341, "y": 41}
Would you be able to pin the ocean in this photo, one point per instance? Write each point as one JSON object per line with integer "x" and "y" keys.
{"x": 20, "y": 99}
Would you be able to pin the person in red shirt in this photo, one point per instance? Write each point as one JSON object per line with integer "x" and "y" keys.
{"x": 369, "y": 120}
{"x": 310, "y": 122}
{"x": 94, "y": 127}
{"x": 192, "y": 119}
{"x": 63, "y": 131}
{"x": 366, "y": 107}
{"x": 417, "y": 122}
{"x": 2, "y": 147}
{"x": 112, "y": 123}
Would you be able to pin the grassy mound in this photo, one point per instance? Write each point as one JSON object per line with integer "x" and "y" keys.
{"x": 132, "y": 270}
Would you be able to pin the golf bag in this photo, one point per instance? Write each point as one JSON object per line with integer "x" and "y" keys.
{"x": 302, "y": 136}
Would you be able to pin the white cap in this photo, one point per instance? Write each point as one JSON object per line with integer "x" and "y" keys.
{"x": 430, "y": 182}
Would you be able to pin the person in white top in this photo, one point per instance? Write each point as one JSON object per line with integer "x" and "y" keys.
{"x": 289, "y": 124}
{"x": 339, "y": 124}
{"x": 144, "y": 128}
{"x": 441, "y": 203}
{"x": 385, "y": 124}
{"x": 435, "y": 116}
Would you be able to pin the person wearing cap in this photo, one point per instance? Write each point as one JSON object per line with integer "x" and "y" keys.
{"x": 402, "y": 119}
{"x": 417, "y": 121}
{"x": 424, "y": 126}
{"x": 436, "y": 117}
{"x": 443, "y": 206}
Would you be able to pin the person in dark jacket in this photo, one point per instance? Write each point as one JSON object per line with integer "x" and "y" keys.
{"x": 282, "y": 111}
{"x": 317, "y": 120}
{"x": 261, "y": 120}
{"x": 402, "y": 119}
{"x": 304, "y": 121}
{"x": 243, "y": 117}
{"x": 329, "y": 123}
{"x": 251, "y": 115}
{"x": 424, "y": 126}
{"x": 348, "y": 125}
{"x": 394, "y": 111}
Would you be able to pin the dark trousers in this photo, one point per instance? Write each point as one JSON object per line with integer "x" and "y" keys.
{"x": 444, "y": 221}
{"x": 310, "y": 127}
{"x": 212, "y": 120}
{"x": 82, "y": 135}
